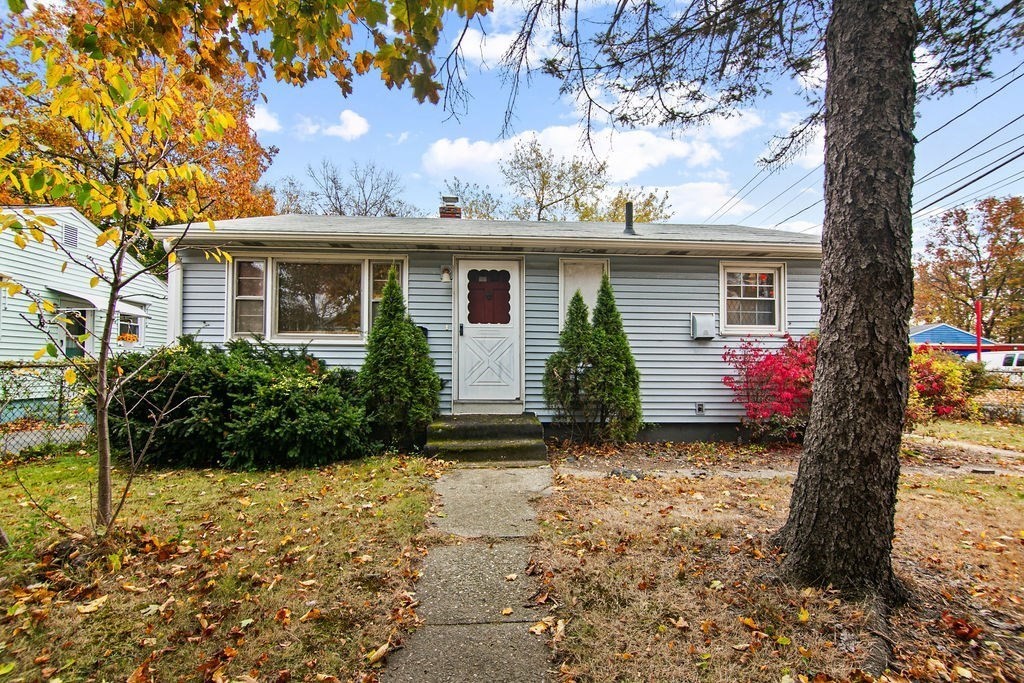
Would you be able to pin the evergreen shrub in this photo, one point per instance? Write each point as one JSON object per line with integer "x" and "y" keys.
{"x": 250, "y": 404}
{"x": 399, "y": 384}
{"x": 592, "y": 382}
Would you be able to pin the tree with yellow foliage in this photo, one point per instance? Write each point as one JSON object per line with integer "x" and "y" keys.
{"x": 106, "y": 138}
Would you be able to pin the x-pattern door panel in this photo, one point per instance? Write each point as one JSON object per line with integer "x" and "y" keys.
{"x": 489, "y": 331}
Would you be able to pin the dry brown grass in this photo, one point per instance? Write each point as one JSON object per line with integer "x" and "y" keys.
{"x": 230, "y": 576}
{"x": 673, "y": 580}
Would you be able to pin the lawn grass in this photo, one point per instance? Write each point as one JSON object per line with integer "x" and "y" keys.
{"x": 996, "y": 434}
{"x": 213, "y": 575}
{"x": 674, "y": 580}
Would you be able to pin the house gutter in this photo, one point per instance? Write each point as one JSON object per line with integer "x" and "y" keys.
{"x": 629, "y": 244}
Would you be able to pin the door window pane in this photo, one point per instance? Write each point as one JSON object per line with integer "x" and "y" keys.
{"x": 490, "y": 297}
{"x": 319, "y": 298}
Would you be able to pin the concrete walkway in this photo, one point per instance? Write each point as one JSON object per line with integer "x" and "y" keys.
{"x": 468, "y": 587}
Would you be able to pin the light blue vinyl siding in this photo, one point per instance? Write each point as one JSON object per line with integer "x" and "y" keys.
{"x": 38, "y": 268}
{"x": 655, "y": 296}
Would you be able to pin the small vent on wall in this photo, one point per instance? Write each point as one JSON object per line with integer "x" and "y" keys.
{"x": 70, "y": 238}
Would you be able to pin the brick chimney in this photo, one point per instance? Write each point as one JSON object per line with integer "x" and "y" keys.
{"x": 450, "y": 207}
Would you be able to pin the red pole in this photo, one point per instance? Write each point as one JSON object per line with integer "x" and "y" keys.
{"x": 977, "y": 325}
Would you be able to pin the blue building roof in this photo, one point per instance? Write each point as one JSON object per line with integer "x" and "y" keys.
{"x": 943, "y": 333}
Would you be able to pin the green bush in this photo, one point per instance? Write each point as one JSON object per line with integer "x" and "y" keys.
{"x": 215, "y": 399}
{"x": 614, "y": 382}
{"x": 398, "y": 382}
{"x": 592, "y": 382}
{"x": 294, "y": 421}
{"x": 566, "y": 370}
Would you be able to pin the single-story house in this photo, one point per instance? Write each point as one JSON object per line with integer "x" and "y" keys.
{"x": 954, "y": 339}
{"x": 491, "y": 297}
{"x": 39, "y": 267}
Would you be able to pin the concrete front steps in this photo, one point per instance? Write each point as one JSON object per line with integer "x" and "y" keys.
{"x": 487, "y": 438}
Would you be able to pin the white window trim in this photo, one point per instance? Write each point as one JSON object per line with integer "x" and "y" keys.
{"x": 562, "y": 262}
{"x": 270, "y": 295}
{"x": 780, "y": 326}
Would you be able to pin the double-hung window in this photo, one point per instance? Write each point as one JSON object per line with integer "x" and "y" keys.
{"x": 305, "y": 297}
{"x": 753, "y": 298}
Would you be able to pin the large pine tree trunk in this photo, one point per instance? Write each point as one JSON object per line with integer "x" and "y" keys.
{"x": 841, "y": 518}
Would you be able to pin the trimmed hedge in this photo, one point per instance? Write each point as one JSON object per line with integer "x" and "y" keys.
{"x": 248, "y": 405}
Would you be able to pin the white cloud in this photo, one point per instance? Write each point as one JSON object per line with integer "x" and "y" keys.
{"x": 627, "y": 153}
{"x": 730, "y": 126}
{"x": 306, "y": 127}
{"x": 351, "y": 126}
{"x": 400, "y": 138}
{"x": 695, "y": 202}
{"x": 486, "y": 50}
{"x": 263, "y": 120}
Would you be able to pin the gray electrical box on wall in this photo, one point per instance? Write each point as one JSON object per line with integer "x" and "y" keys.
{"x": 702, "y": 325}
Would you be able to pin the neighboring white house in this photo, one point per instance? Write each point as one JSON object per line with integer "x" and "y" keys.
{"x": 141, "y": 314}
{"x": 491, "y": 297}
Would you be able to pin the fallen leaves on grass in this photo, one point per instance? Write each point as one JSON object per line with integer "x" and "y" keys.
{"x": 629, "y": 562}
{"x": 206, "y": 582}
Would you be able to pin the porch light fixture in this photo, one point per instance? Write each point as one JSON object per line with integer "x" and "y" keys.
{"x": 446, "y": 274}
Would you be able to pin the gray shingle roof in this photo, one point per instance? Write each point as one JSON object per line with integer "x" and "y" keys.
{"x": 653, "y": 237}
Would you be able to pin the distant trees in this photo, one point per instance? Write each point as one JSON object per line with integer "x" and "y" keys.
{"x": 542, "y": 186}
{"x": 362, "y": 190}
{"x": 975, "y": 253}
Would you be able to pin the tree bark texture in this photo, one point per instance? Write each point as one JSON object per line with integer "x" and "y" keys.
{"x": 841, "y": 517}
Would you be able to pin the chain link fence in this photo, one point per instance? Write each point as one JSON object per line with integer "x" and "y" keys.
{"x": 39, "y": 408}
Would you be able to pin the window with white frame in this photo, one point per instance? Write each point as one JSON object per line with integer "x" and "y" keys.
{"x": 307, "y": 297}
{"x": 250, "y": 297}
{"x": 379, "y": 271}
{"x": 753, "y": 296}
{"x": 129, "y": 328}
{"x": 583, "y": 275}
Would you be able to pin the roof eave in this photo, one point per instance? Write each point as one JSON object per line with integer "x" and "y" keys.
{"x": 226, "y": 237}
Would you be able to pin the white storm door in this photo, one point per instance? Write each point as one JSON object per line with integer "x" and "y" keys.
{"x": 488, "y": 332}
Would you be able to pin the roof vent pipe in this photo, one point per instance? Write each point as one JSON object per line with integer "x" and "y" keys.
{"x": 629, "y": 219}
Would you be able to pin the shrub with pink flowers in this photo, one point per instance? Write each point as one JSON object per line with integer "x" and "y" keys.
{"x": 774, "y": 385}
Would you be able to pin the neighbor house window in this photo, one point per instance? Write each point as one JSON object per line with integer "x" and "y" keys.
{"x": 583, "y": 275}
{"x": 379, "y": 276}
{"x": 129, "y": 328}
{"x": 752, "y": 298}
{"x": 250, "y": 296}
{"x": 319, "y": 298}
{"x": 304, "y": 297}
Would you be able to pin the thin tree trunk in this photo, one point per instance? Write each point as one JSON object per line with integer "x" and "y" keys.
{"x": 104, "y": 488}
{"x": 841, "y": 517}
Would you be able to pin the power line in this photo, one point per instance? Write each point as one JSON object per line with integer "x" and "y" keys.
{"x": 972, "y": 181}
{"x": 935, "y": 171}
{"x": 806, "y": 208}
{"x": 767, "y": 203}
{"x": 962, "y": 178}
{"x": 987, "y": 189}
{"x": 729, "y": 200}
{"x": 976, "y": 104}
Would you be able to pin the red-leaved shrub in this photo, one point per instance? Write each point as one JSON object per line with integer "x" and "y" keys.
{"x": 774, "y": 385}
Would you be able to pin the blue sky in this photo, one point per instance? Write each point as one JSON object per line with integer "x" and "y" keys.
{"x": 701, "y": 168}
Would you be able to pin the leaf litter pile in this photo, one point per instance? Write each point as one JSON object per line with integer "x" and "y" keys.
{"x": 673, "y": 579}
{"x": 303, "y": 575}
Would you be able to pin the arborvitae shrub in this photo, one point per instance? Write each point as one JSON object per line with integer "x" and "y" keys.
{"x": 592, "y": 382}
{"x": 614, "y": 381}
{"x": 398, "y": 382}
{"x": 565, "y": 371}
